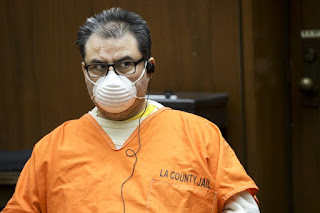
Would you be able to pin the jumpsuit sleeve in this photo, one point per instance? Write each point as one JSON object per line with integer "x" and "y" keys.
{"x": 231, "y": 178}
{"x": 25, "y": 198}
{"x": 242, "y": 202}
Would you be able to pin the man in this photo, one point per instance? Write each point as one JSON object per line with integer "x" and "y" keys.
{"x": 130, "y": 154}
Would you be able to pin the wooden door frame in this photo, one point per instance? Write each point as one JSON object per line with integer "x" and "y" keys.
{"x": 265, "y": 33}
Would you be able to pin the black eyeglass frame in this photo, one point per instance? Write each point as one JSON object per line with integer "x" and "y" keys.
{"x": 112, "y": 65}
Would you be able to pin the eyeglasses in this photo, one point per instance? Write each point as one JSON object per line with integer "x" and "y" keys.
{"x": 98, "y": 70}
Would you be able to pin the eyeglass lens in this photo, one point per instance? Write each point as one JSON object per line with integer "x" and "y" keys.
{"x": 101, "y": 69}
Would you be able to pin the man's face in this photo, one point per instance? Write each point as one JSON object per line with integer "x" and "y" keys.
{"x": 112, "y": 50}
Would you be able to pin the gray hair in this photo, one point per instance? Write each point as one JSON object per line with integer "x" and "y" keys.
{"x": 115, "y": 23}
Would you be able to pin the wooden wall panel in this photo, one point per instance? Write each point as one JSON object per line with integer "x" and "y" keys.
{"x": 226, "y": 68}
{"x": 18, "y": 85}
{"x": 43, "y": 82}
{"x": 195, "y": 43}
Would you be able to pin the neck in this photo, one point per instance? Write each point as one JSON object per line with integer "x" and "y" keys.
{"x": 140, "y": 105}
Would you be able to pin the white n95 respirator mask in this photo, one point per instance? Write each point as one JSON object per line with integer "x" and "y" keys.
{"x": 115, "y": 93}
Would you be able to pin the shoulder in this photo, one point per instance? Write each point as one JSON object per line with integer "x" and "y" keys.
{"x": 60, "y": 133}
{"x": 69, "y": 126}
{"x": 196, "y": 128}
{"x": 190, "y": 120}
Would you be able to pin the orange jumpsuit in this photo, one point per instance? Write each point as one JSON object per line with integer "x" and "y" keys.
{"x": 184, "y": 165}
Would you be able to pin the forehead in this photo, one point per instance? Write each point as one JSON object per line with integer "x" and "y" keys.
{"x": 111, "y": 49}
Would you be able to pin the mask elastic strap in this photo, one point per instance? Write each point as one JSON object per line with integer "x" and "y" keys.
{"x": 144, "y": 70}
{"x": 92, "y": 97}
{"x": 140, "y": 97}
{"x": 90, "y": 80}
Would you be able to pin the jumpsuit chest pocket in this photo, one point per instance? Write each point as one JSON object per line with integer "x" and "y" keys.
{"x": 170, "y": 197}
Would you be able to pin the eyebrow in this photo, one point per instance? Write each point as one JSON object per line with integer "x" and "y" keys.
{"x": 124, "y": 58}
{"x": 97, "y": 61}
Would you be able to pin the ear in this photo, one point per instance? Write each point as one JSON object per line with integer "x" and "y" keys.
{"x": 83, "y": 69}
